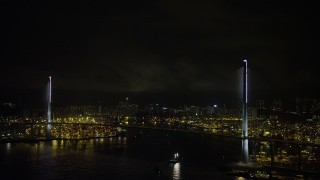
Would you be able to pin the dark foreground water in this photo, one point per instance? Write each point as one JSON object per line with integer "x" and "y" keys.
{"x": 131, "y": 157}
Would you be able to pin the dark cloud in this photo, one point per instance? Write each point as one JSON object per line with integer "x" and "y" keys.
{"x": 159, "y": 46}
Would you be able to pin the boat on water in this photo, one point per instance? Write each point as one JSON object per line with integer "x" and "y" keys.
{"x": 157, "y": 170}
{"x": 176, "y": 158}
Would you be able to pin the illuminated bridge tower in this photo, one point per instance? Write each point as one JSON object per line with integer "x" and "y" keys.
{"x": 49, "y": 114}
{"x": 245, "y": 146}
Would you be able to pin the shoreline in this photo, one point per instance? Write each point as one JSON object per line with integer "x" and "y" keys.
{"x": 35, "y": 140}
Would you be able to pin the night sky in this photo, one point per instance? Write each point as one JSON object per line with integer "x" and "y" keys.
{"x": 168, "y": 52}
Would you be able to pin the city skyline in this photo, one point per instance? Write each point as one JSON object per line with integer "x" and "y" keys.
{"x": 39, "y": 100}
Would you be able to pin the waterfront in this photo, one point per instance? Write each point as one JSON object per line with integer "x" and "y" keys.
{"x": 131, "y": 157}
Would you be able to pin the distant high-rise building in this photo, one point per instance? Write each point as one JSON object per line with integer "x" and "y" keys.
{"x": 260, "y": 104}
{"x": 252, "y": 113}
{"x": 99, "y": 108}
{"x": 277, "y": 105}
{"x": 305, "y": 105}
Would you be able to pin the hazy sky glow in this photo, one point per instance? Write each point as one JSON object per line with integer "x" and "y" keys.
{"x": 158, "y": 47}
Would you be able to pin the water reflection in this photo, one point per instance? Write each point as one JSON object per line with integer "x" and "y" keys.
{"x": 55, "y": 146}
{"x": 240, "y": 178}
{"x": 176, "y": 173}
{"x": 245, "y": 151}
{"x": 112, "y": 158}
{"x": 38, "y": 150}
{"x": 8, "y": 146}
